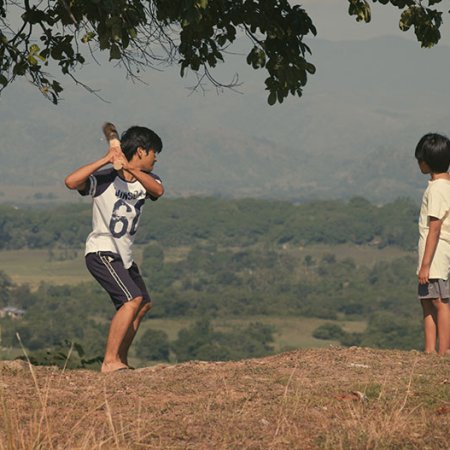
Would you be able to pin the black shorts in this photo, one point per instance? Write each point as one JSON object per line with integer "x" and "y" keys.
{"x": 121, "y": 284}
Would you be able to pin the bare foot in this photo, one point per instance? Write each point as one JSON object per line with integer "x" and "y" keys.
{"x": 113, "y": 367}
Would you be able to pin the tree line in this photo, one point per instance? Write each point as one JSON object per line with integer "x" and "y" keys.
{"x": 175, "y": 222}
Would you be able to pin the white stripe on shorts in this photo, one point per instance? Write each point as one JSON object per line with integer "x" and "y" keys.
{"x": 116, "y": 277}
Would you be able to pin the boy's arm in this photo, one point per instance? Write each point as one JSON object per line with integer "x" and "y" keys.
{"x": 78, "y": 178}
{"x": 434, "y": 232}
{"x": 151, "y": 185}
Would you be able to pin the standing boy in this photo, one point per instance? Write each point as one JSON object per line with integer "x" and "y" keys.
{"x": 118, "y": 197}
{"x": 433, "y": 156}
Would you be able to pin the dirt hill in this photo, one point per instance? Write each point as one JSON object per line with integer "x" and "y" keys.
{"x": 335, "y": 398}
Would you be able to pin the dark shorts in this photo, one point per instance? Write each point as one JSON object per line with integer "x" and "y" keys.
{"x": 436, "y": 288}
{"x": 121, "y": 284}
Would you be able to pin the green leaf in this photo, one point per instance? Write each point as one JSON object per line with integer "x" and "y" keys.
{"x": 56, "y": 86}
{"x": 311, "y": 68}
{"x": 133, "y": 33}
{"x": 125, "y": 40}
{"x": 3, "y": 80}
{"x": 203, "y": 4}
{"x": 115, "y": 52}
{"x": 360, "y": 9}
{"x": 271, "y": 100}
{"x": 183, "y": 68}
{"x": 19, "y": 69}
{"x": 34, "y": 49}
{"x": 32, "y": 60}
{"x": 406, "y": 20}
{"x": 103, "y": 41}
{"x": 88, "y": 37}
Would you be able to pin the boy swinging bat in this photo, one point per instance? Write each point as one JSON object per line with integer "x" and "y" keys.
{"x": 119, "y": 194}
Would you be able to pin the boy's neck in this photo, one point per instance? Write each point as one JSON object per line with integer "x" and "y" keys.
{"x": 128, "y": 176}
{"x": 134, "y": 165}
{"x": 440, "y": 176}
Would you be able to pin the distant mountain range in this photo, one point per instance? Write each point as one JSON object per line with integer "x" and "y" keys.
{"x": 352, "y": 133}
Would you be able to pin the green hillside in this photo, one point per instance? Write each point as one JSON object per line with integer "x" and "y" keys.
{"x": 229, "y": 275}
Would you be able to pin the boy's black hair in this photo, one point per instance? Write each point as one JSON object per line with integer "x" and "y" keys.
{"x": 434, "y": 149}
{"x": 137, "y": 136}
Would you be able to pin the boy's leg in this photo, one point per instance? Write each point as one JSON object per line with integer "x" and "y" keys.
{"x": 146, "y": 304}
{"x": 443, "y": 324}
{"x": 120, "y": 324}
{"x": 131, "y": 333}
{"x": 429, "y": 325}
{"x": 128, "y": 293}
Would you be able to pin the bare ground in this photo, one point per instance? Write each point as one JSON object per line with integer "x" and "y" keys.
{"x": 332, "y": 398}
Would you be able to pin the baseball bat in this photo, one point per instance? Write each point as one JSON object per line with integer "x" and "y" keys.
{"x": 110, "y": 132}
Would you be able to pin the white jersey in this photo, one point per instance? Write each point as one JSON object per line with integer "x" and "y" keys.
{"x": 117, "y": 207}
{"x": 436, "y": 203}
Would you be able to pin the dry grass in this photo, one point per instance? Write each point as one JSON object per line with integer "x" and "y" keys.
{"x": 309, "y": 399}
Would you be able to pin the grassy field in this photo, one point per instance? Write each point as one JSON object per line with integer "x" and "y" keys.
{"x": 33, "y": 266}
{"x": 290, "y": 332}
{"x": 363, "y": 255}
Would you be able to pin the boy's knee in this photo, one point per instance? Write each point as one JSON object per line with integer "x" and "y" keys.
{"x": 136, "y": 302}
{"x": 440, "y": 302}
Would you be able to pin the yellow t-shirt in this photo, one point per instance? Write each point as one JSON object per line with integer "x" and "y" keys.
{"x": 436, "y": 203}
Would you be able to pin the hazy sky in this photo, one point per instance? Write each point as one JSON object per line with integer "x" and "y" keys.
{"x": 172, "y": 110}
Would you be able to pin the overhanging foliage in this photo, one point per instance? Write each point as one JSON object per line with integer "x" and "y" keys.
{"x": 196, "y": 34}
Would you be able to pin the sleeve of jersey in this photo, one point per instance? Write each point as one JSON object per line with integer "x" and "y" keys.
{"x": 90, "y": 188}
{"x": 438, "y": 204}
{"x": 158, "y": 179}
